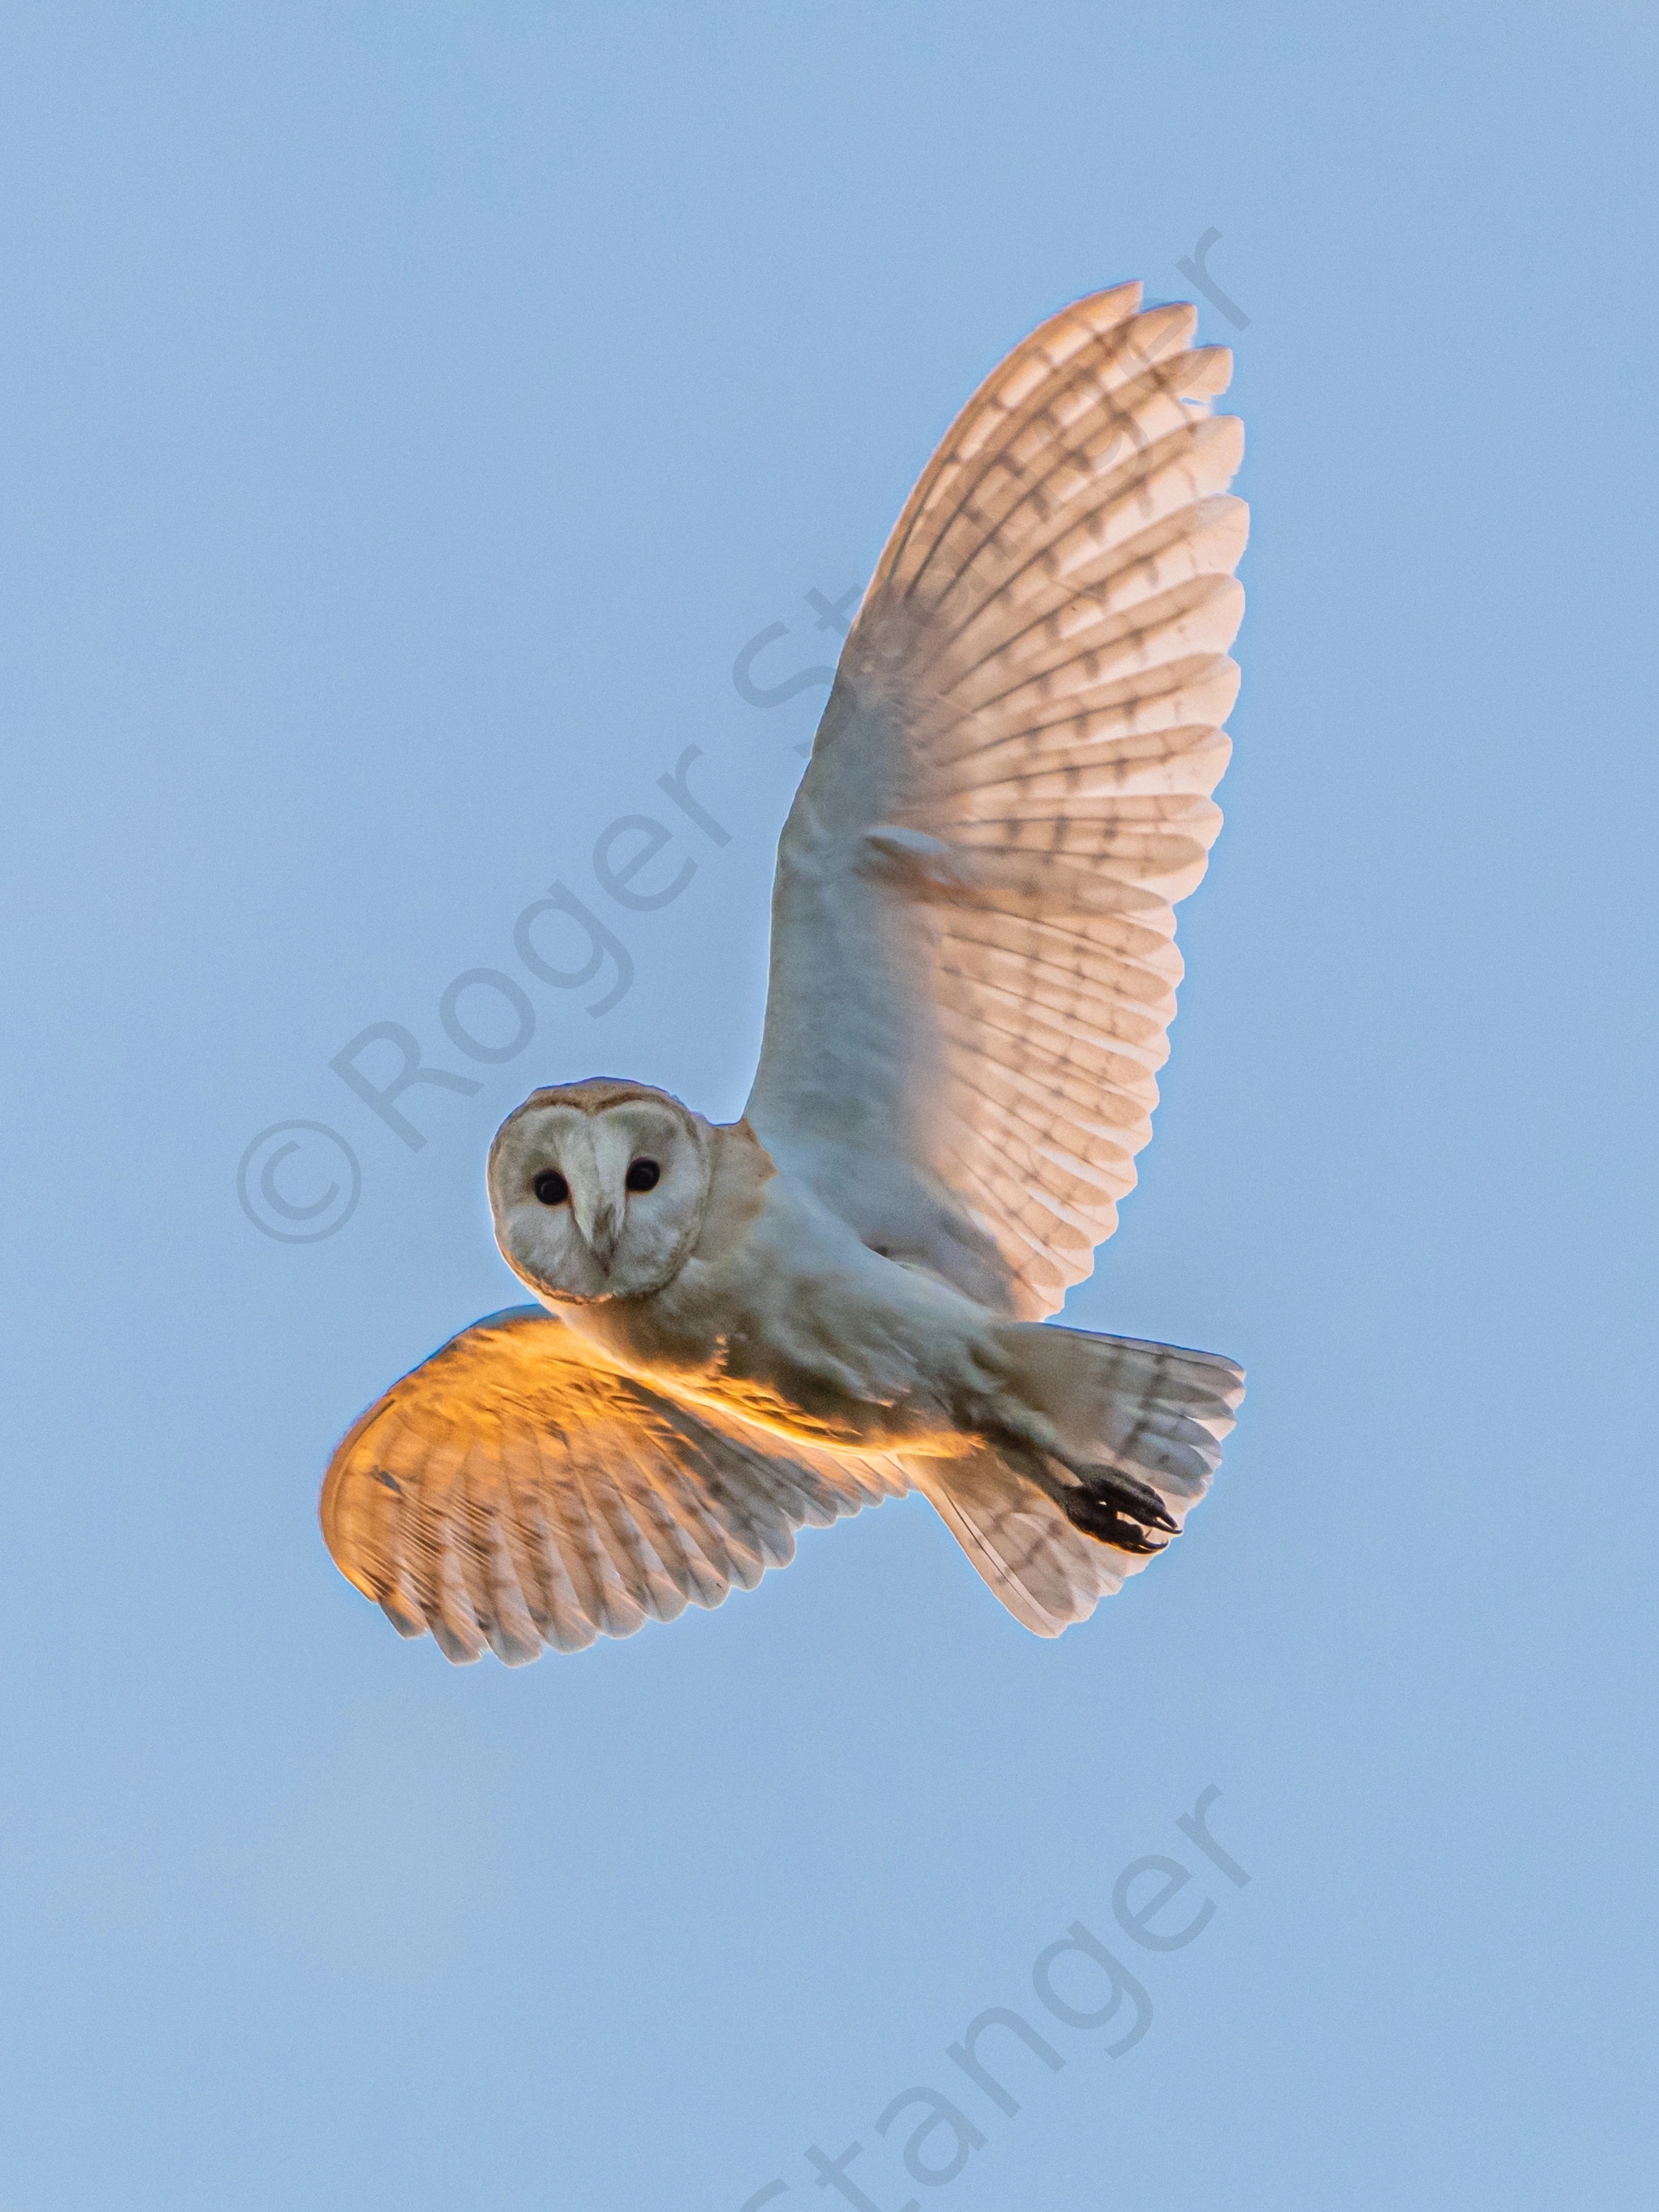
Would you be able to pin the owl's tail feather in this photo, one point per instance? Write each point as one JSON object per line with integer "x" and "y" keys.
{"x": 1152, "y": 1412}
{"x": 1147, "y": 1418}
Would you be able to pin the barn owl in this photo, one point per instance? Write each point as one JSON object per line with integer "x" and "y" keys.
{"x": 740, "y": 1329}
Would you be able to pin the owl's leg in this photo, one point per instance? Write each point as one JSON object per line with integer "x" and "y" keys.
{"x": 1122, "y": 1435}
{"x": 1052, "y": 1403}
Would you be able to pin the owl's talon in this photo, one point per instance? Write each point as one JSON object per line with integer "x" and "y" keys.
{"x": 1116, "y": 1509}
{"x": 1098, "y": 1517}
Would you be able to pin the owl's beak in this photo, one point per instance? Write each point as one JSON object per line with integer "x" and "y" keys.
{"x": 600, "y": 1222}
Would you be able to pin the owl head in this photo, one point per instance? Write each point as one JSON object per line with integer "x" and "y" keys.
{"x": 599, "y": 1189}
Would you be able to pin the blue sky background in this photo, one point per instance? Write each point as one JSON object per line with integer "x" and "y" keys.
{"x": 406, "y": 414}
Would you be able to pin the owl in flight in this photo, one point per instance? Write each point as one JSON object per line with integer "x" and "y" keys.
{"x": 840, "y": 1297}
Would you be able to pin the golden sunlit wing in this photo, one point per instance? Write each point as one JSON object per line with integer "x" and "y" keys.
{"x": 973, "y": 965}
{"x": 514, "y": 1491}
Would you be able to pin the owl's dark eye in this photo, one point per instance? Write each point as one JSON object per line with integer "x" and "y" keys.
{"x": 552, "y": 1188}
{"x": 643, "y": 1175}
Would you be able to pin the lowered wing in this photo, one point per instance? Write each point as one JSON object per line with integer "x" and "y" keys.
{"x": 516, "y": 1491}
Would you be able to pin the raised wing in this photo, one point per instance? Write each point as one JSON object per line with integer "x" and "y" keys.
{"x": 514, "y": 1491}
{"x": 973, "y": 956}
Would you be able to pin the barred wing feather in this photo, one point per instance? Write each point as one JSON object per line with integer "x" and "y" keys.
{"x": 973, "y": 965}
{"x": 513, "y": 1491}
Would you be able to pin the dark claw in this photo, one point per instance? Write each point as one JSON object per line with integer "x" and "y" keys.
{"x": 1139, "y": 1499}
{"x": 1096, "y": 1518}
{"x": 1116, "y": 1509}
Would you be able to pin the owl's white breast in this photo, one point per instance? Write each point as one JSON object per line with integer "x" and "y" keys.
{"x": 781, "y": 1315}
